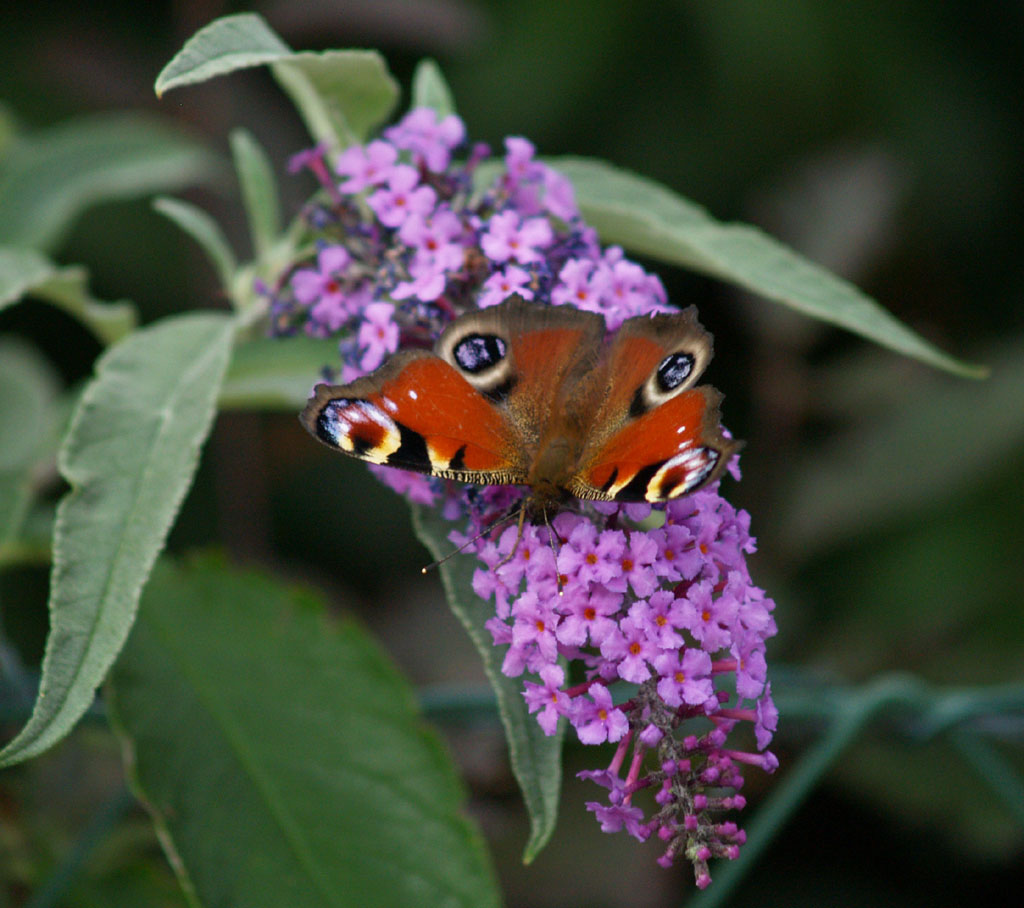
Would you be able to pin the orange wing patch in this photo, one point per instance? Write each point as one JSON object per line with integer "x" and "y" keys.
{"x": 662, "y": 454}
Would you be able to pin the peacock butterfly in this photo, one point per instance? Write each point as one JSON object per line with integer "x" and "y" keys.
{"x": 542, "y": 396}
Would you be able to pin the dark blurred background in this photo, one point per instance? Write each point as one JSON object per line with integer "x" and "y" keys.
{"x": 883, "y": 141}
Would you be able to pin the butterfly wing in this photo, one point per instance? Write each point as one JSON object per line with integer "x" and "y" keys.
{"x": 471, "y": 410}
{"x": 417, "y": 413}
{"x": 655, "y": 436}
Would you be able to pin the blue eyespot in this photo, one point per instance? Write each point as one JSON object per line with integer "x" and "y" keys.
{"x": 476, "y": 353}
{"x": 673, "y": 370}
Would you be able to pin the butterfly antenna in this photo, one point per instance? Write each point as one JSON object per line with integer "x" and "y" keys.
{"x": 497, "y": 523}
{"x": 554, "y": 553}
{"x": 519, "y": 534}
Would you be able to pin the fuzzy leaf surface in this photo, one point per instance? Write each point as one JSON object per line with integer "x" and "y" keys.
{"x": 282, "y": 755}
{"x": 50, "y": 177}
{"x": 129, "y": 457}
{"x": 649, "y": 218}
{"x": 536, "y": 758}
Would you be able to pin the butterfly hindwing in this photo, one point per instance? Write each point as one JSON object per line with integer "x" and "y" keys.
{"x": 657, "y": 436}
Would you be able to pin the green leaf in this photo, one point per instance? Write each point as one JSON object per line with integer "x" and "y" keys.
{"x": 536, "y": 758}
{"x": 28, "y": 414}
{"x": 25, "y": 272}
{"x": 276, "y": 373}
{"x": 20, "y": 271}
{"x": 15, "y": 502}
{"x": 282, "y": 755}
{"x": 33, "y": 416}
{"x": 259, "y": 191}
{"x": 205, "y": 231}
{"x": 129, "y": 457}
{"x": 429, "y": 89}
{"x": 649, "y": 218}
{"x": 27, "y": 393}
{"x": 224, "y": 46}
{"x": 341, "y": 95}
{"x": 50, "y": 177}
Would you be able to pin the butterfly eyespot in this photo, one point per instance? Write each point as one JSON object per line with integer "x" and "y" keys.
{"x": 673, "y": 370}
{"x": 477, "y": 353}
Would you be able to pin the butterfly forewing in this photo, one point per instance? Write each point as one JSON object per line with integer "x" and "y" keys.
{"x": 417, "y": 413}
{"x": 546, "y": 348}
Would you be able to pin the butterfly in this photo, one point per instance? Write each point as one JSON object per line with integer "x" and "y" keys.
{"x": 542, "y": 396}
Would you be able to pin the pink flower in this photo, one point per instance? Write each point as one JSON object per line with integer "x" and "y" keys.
{"x": 430, "y": 141}
{"x": 402, "y": 198}
{"x": 589, "y": 556}
{"x": 366, "y": 166}
{"x": 635, "y": 564}
{"x": 312, "y": 285}
{"x": 559, "y": 196}
{"x": 508, "y": 238}
{"x": 685, "y": 678}
{"x": 599, "y": 720}
{"x": 378, "y": 335}
{"x": 587, "y": 614}
{"x": 432, "y": 233}
{"x": 418, "y": 488}
{"x": 429, "y": 271}
{"x": 533, "y": 632}
{"x": 547, "y": 698}
{"x": 660, "y": 618}
{"x": 575, "y": 287}
{"x": 502, "y": 284}
{"x": 631, "y": 651}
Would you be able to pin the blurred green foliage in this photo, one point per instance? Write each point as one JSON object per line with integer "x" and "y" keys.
{"x": 883, "y": 141}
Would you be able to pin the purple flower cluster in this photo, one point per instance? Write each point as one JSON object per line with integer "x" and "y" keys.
{"x": 660, "y": 604}
{"x": 650, "y": 611}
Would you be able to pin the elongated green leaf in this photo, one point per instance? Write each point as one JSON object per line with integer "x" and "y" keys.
{"x": 649, "y": 218}
{"x": 29, "y": 388}
{"x": 341, "y": 95}
{"x": 25, "y": 272}
{"x": 429, "y": 89}
{"x": 282, "y": 755}
{"x": 129, "y": 457}
{"x": 205, "y": 231}
{"x": 15, "y": 501}
{"x": 28, "y": 392}
{"x": 536, "y": 758}
{"x": 259, "y": 190}
{"x": 33, "y": 416}
{"x": 276, "y": 373}
{"x": 225, "y": 45}
{"x": 50, "y": 177}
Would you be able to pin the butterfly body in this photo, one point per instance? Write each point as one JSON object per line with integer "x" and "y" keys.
{"x": 541, "y": 396}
